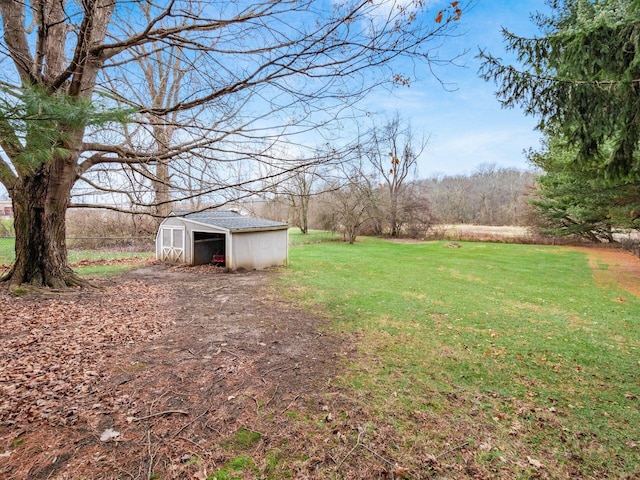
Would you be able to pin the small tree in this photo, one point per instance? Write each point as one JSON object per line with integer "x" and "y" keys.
{"x": 348, "y": 203}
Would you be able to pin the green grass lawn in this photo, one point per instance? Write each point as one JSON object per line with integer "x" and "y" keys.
{"x": 7, "y": 252}
{"x": 510, "y": 351}
{"x": 296, "y": 237}
{"x": 78, "y": 257}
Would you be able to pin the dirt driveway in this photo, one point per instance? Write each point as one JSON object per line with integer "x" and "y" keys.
{"x": 166, "y": 373}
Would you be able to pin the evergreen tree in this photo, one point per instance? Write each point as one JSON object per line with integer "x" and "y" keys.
{"x": 575, "y": 200}
{"x": 581, "y": 78}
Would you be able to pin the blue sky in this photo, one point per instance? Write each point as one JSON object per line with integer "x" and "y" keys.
{"x": 468, "y": 127}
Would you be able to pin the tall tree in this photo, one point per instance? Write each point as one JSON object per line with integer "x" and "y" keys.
{"x": 581, "y": 77}
{"x": 393, "y": 153}
{"x": 298, "y": 191}
{"x": 264, "y": 72}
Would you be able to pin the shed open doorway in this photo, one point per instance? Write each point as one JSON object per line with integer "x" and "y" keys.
{"x": 209, "y": 247}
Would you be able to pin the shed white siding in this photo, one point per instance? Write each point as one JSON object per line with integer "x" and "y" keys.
{"x": 257, "y": 250}
{"x": 243, "y": 242}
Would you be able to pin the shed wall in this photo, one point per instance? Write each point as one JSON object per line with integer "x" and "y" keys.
{"x": 189, "y": 229}
{"x": 257, "y": 250}
{"x": 248, "y": 250}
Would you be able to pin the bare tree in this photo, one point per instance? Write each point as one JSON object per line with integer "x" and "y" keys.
{"x": 347, "y": 204}
{"x": 393, "y": 154}
{"x": 298, "y": 192}
{"x": 262, "y": 73}
{"x": 488, "y": 196}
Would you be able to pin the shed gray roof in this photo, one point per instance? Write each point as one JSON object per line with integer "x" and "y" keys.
{"x": 231, "y": 221}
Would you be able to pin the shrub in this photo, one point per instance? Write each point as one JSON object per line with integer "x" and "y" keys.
{"x": 92, "y": 229}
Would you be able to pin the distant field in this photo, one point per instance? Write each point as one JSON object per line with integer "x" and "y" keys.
{"x": 471, "y": 230}
{"x": 508, "y": 359}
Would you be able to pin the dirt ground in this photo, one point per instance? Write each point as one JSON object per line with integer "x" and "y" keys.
{"x": 614, "y": 267}
{"x": 175, "y": 372}
{"x": 143, "y": 378}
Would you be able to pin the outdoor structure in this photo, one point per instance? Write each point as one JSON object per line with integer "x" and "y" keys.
{"x": 6, "y": 208}
{"x": 224, "y": 238}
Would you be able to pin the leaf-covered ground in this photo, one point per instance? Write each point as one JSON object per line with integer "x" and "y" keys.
{"x": 164, "y": 373}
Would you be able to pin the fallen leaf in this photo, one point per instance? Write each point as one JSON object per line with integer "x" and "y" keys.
{"x": 402, "y": 472}
{"x": 200, "y": 475}
{"x": 535, "y": 463}
{"x": 109, "y": 434}
{"x": 515, "y": 428}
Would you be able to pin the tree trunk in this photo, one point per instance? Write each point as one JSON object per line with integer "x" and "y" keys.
{"x": 393, "y": 214}
{"x": 352, "y": 233}
{"x": 40, "y": 201}
{"x": 304, "y": 212}
{"x": 161, "y": 188}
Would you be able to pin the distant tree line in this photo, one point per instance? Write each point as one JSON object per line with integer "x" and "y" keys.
{"x": 490, "y": 195}
{"x": 353, "y": 200}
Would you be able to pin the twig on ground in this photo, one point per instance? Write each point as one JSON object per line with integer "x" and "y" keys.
{"x": 153, "y": 403}
{"x": 272, "y": 396}
{"x": 120, "y": 470}
{"x": 166, "y": 412}
{"x": 190, "y": 423}
{"x": 380, "y": 457}
{"x": 151, "y": 455}
{"x": 192, "y": 442}
{"x": 452, "y": 449}
{"x": 368, "y": 449}
{"x": 214, "y": 430}
{"x": 229, "y": 352}
{"x": 255, "y": 400}
{"x": 360, "y": 432}
{"x": 281, "y": 367}
{"x": 290, "y": 404}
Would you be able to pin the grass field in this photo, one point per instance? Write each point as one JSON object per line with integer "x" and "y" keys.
{"x": 312, "y": 236}
{"x": 87, "y": 262}
{"x": 509, "y": 359}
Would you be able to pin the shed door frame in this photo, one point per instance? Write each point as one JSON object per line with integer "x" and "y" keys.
{"x": 206, "y": 254}
{"x": 174, "y": 250}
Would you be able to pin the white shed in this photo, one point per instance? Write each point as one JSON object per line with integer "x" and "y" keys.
{"x": 224, "y": 238}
